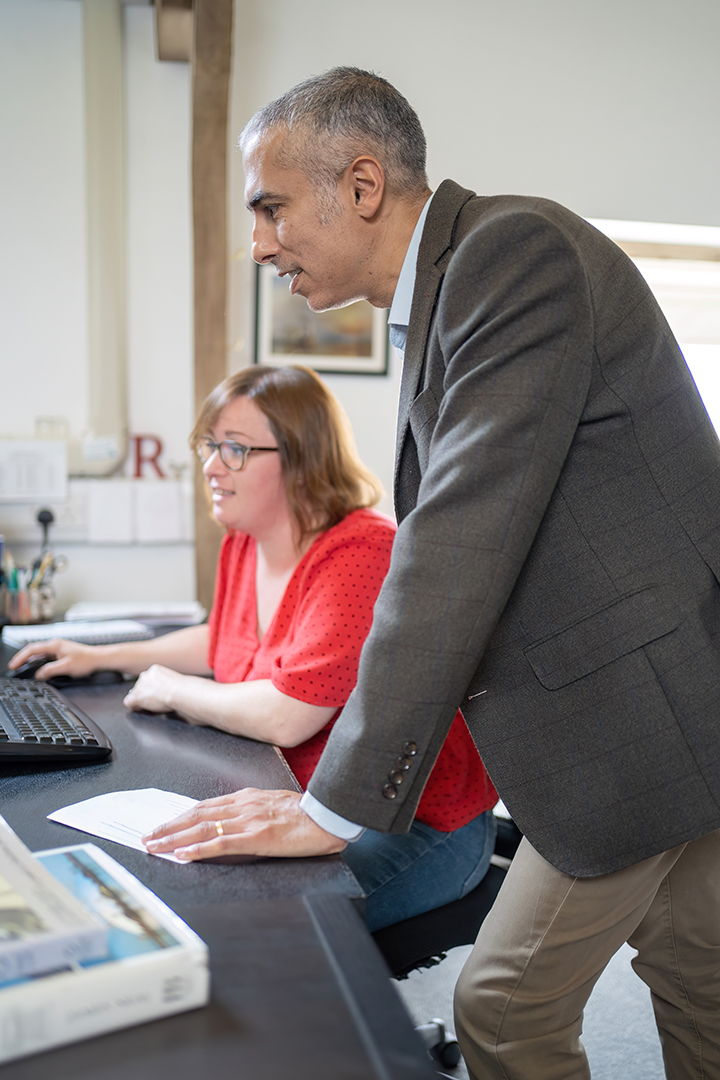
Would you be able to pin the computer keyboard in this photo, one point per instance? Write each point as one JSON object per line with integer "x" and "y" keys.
{"x": 38, "y": 722}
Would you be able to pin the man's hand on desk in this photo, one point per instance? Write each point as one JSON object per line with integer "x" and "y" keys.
{"x": 248, "y": 822}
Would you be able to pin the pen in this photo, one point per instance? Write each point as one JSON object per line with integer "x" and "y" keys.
{"x": 39, "y": 573}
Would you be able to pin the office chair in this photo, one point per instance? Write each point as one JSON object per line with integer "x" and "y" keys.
{"x": 424, "y": 940}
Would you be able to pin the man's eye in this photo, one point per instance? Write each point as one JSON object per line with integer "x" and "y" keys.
{"x": 271, "y": 211}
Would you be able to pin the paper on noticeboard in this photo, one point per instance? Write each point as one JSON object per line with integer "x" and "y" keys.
{"x": 32, "y": 469}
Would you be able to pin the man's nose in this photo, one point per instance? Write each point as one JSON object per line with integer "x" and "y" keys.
{"x": 264, "y": 245}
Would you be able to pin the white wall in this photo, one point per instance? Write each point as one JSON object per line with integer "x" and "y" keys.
{"x": 159, "y": 239}
{"x": 43, "y": 285}
{"x": 43, "y": 271}
{"x": 609, "y": 108}
{"x": 43, "y": 314}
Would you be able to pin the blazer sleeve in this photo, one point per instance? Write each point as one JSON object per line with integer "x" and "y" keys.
{"x": 512, "y": 347}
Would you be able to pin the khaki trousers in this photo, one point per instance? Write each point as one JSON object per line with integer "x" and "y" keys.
{"x": 520, "y": 997}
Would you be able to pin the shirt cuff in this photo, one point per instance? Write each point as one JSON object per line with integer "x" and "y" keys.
{"x": 329, "y": 820}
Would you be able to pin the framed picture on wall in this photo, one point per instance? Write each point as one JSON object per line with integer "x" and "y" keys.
{"x": 352, "y": 339}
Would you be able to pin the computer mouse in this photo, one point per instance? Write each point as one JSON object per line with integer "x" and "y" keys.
{"x": 95, "y": 678}
{"x": 28, "y": 669}
{"x": 105, "y": 675}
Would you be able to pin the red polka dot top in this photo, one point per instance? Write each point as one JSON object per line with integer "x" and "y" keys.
{"x": 312, "y": 648}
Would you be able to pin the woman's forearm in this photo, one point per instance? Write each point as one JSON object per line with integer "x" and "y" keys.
{"x": 255, "y": 709}
{"x": 182, "y": 650}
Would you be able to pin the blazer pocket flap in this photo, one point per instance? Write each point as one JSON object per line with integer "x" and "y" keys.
{"x": 619, "y": 629}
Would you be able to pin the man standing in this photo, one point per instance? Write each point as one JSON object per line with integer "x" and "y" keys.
{"x": 554, "y": 574}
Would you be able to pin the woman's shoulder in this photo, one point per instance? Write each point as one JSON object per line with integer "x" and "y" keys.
{"x": 360, "y": 529}
{"x": 361, "y": 524}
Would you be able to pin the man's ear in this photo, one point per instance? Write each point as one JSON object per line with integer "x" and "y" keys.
{"x": 365, "y": 180}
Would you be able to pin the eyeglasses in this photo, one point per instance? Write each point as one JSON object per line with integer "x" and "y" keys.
{"x": 232, "y": 454}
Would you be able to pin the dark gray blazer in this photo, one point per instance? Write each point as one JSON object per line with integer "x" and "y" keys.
{"x": 554, "y": 573}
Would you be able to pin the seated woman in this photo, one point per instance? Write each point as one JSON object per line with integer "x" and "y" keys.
{"x": 300, "y": 567}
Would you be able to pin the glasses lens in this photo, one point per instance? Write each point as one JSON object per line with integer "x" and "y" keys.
{"x": 233, "y": 454}
{"x": 205, "y": 449}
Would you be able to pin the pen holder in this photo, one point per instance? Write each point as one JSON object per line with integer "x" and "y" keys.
{"x": 29, "y": 605}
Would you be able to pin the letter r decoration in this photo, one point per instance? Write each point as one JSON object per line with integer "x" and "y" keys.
{"x": 142, "y": 458}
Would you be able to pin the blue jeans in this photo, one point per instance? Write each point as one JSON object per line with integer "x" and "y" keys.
{"x": 404, "y": 874}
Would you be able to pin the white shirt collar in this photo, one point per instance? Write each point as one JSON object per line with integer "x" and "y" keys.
{"x": 402, "y": 299}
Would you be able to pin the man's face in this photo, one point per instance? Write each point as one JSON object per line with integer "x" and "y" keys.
{"x": 308, "y": 234}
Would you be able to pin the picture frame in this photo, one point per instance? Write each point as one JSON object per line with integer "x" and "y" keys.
{"x": 350, "y": 340}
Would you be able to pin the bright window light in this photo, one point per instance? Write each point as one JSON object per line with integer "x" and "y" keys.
{"x": 704, "y": 364}
{"x": 681, "y": 264}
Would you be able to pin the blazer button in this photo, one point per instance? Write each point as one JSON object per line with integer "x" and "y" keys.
{"x": 389, "y": 791}
{"x": 403, "y": 763}
{"x": 395, "y": 777}
{"x": 410, "y": 748}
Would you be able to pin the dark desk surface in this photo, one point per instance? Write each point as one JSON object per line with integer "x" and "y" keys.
{"x": 298, "y": 987}
{"x": 156, "y": 751}
{"x": 299, "y": 992}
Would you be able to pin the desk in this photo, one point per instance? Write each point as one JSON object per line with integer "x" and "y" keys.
{"x": 298, "y": 987}
{"x": 156, "y": 751}
{"x": 298, "y": 993}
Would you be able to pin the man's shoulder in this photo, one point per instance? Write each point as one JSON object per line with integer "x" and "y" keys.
{"x": 457, "y": 212}
{"x": 509, "y": 210}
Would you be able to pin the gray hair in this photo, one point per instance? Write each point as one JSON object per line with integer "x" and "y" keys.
{"x": 339, "y": 115}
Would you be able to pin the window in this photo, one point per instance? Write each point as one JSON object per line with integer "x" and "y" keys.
{"x": 681, "y": 264}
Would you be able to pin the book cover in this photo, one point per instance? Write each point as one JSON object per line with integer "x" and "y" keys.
{"x": 42, "y": 923}
{"x": 156, "y": 965}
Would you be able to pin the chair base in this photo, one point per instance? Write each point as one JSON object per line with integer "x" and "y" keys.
{"x": 441, "y": 1045}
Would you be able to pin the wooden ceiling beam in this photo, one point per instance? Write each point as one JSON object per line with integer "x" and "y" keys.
{"x": 174, "y": 29}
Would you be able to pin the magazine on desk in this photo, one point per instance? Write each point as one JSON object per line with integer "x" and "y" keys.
{"x": 155, "y": 966}
{"x": 42, "y": 923}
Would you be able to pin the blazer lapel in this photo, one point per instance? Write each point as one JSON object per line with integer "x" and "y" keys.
{"x": 433, "y": 256}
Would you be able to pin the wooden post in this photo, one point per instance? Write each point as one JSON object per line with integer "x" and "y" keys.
{"x": 211, "y": 65}
{"x": 106, "y": 226}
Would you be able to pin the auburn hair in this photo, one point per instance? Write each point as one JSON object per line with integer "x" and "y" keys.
{"x": 324, "y": 477}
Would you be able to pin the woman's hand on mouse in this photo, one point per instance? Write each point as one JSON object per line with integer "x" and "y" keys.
{"x": 63, "y": 658}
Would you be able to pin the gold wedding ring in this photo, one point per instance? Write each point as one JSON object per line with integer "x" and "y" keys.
{"x": 218, "y": 826}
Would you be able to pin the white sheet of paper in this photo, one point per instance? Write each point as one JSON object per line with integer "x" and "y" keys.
{"x": 158, "y": 512}
{"x": 110, "y": 511}
{"x": 125, "y": 816}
